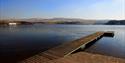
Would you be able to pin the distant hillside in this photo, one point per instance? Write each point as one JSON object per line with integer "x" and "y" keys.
{"x": 101, "y": 22}
{"x": 63, "y": 21}
{"x": 6, "y": 22}
{"x": 115, "y": 22}
{"x": 57, "y": 21}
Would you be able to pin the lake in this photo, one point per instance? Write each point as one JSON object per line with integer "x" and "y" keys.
{"x": 20, "y": 42}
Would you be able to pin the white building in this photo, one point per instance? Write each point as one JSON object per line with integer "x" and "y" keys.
{"x": 12, "y": 23}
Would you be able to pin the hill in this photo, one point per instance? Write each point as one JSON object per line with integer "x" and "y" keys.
{"x": 115, "y": 22}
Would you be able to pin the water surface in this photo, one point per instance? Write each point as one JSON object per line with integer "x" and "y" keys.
{"x": 19, "y": 42}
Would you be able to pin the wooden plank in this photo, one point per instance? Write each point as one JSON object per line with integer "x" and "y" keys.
{"x": 83, "y": 57}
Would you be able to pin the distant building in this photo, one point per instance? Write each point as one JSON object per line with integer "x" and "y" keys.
{"x": 12, "y": 23}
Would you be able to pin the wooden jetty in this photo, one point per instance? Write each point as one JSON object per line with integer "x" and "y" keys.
{"x": 67, "y": 48}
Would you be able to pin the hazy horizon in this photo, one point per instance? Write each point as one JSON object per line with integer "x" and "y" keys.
{"x": 82, "y": 9}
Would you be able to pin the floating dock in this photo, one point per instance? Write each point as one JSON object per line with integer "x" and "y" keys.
{"x": 67, "y": 48}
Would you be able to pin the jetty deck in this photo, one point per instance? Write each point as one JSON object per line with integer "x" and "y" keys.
{"x": 83, "y": 57}
{"x": 66, "y": 48}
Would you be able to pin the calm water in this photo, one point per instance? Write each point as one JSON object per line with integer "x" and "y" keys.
{"x": 19, "y": 42}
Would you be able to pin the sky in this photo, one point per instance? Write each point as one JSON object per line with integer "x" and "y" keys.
{"x": 84, "y": 9}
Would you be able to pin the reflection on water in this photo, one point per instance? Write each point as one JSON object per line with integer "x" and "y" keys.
{"x": 19, "y": 42}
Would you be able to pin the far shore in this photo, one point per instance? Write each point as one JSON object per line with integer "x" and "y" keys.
{"x": 85, "y": 22}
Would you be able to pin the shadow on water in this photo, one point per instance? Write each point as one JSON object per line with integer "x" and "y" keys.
{"x": 87, "y": 45}
{"x": 94, "y": 41}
